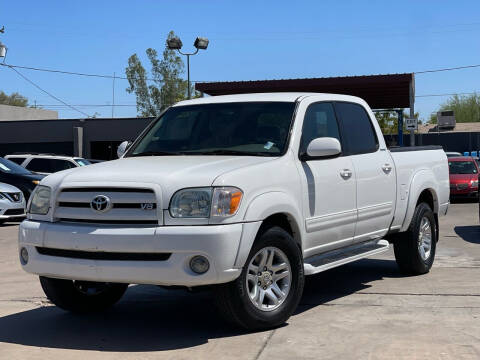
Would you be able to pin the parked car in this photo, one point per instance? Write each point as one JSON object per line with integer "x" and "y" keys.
{"x": 47, "y": 163}
{"x": 13, "y": 174}
{"x": 452, "y": 154}
{"x": 12, "y": 203}
{"x": 463, "y": 176}
{"x": 244, "y": 193}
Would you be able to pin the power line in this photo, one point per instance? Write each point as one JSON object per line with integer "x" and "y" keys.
{"x": 86, "y": 105}
{"x": 464, "y": 93}
{"x": 46, "y": 92}
{"x": 448, "y": 69}
{"x": 78, "y": 73}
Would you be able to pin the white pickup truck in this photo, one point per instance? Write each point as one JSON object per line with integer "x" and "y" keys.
{"x": 245, "y": 193}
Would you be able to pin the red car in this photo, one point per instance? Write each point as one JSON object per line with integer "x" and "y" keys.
{"x": 463, "y": 176}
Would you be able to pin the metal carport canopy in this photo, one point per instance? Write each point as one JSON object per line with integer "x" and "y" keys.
{"x": 379, "y": 91}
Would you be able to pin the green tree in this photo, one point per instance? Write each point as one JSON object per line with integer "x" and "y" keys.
{"x": 163, "y": 87}
{"x": 388, "y": 121}
{"x": 14, "y": 99}
{"x": 465, "y": 108}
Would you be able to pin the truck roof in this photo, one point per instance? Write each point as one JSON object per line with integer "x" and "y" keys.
{"x": 280, "y": 97}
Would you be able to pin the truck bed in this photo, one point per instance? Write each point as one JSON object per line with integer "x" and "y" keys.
{"x": 428, "y": 167}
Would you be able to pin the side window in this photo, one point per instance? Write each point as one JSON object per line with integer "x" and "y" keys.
{"x": 319, "y": 121}
{"x": 359, "y": 134}
{"x": 40, "y": 165}
{"x": 59, "y": 165}
{"x": 17, "y": 160}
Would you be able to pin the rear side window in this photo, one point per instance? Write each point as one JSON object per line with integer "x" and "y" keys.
{"x": 17, "y": 160}
{"x": 40, "y": 165}
{"x": 359, "y": 134}
{"x": 320, "y": 121}
{"x": 59, "y": 165}
{"x": 48, "y": 165}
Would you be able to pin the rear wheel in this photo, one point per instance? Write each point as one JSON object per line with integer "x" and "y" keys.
{"x": 270, "y": 286}
{"x": 415, "y": 248}
{"x": 82, "y": 296}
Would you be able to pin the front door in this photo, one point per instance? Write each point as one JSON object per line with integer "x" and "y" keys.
{"x": 330, "y": 192}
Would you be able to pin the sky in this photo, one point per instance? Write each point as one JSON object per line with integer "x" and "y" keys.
{"x": 249, "y": 40}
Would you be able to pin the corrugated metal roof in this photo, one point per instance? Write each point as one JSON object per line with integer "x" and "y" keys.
{"x": 379, "y": 91}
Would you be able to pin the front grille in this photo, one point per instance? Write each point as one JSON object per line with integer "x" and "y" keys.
{"x": 111, "y": 222}
{"x": 108, "y": 189}
{"x": 14, "y": 212}
{"x": 127, "y": 206}
{"x": 115, "y": 205}
{"x": 96, "y": 255}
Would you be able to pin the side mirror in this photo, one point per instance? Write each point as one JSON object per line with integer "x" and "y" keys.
{"x": 122, "y": 148}
{"x": 323, "y": 147}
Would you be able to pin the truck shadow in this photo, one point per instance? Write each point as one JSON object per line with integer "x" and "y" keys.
{"x": 469, "y": 233}
{"x": 150, "y": 318}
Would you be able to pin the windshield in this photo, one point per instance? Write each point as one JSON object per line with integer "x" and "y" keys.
{"x": 462, "y": 167}
{"x": 82, "y": 162}
{"x": 250, "y": 128}
{"x": 10, "y": 167}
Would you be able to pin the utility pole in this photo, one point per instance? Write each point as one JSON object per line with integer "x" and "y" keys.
{"x": 412, "y": 110}
{"x": 113, "y": 94}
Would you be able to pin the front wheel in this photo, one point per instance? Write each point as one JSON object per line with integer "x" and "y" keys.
{"x": 270, "y": 286}
{"x": 415, "y": 248}
{"x": 82, "y": 296}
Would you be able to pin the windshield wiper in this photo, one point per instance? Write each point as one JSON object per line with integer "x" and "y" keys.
{"x": 227, "y": 152}
{"x": 156, "y": 153}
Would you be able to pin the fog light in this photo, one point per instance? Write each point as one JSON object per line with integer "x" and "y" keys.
{"x": 199, "y": 264}
{"x": 23, "y": 256}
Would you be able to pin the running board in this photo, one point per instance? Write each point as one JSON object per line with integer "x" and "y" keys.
{"x": 331, "y": 259}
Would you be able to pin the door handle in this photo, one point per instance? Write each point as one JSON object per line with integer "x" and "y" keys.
{"x": 346, "y": 174}
{"x": 387, "y": 168}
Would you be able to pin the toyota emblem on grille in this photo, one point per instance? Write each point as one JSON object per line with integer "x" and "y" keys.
{"x": 101, "y": 203}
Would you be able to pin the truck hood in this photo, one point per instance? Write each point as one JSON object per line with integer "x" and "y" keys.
{"x": 171, "y": 173}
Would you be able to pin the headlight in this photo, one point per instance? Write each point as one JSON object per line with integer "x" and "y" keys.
{"x": 2, "y": 196}
{"x": 191, "y": 203}
{"x": 474, "y": 183}
{"x": 226, "y": 201}
{"x": 40, "y": 202}
{"x": 205, "y": 202}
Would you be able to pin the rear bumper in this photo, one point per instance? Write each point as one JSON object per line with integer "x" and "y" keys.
{"x": 218, "y": 243}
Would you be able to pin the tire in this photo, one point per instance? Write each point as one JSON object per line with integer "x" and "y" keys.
{"x": 408, "y": 253}
{"x": 82, "y": 296}
{"x": 234, "y": 299}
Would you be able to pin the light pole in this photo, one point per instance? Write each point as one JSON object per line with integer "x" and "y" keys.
{"x": 176, "y": 44}
{"x": 3, "y": 48}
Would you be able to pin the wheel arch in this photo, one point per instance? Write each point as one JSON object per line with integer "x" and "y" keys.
{"x": 266, "y": 210}
{"x": 423, "y": 188}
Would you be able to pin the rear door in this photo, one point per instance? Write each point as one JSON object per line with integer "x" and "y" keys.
{"x": 374, "y": 172}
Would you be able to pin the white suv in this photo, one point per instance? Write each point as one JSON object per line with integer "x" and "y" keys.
{"x": 47, "y": 164}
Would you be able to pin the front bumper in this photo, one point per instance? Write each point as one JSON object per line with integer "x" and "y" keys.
{"x": 469, "y": 192}
{"x": 9, "y": 210}
{"x": 218, "y": 243}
